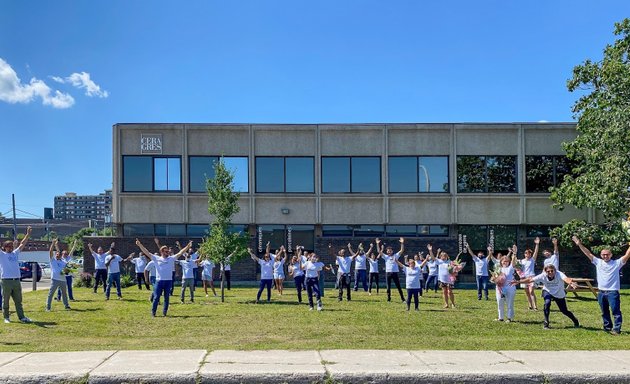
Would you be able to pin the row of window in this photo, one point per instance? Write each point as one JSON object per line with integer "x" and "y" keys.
{"x": 407, "y": 174}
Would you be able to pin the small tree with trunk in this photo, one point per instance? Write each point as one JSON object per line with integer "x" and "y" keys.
{"x": 222, "y": 246}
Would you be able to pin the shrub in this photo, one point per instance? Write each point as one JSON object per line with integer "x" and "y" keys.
{"x": 126, "y": 281}
{"x": 84, "y": 280}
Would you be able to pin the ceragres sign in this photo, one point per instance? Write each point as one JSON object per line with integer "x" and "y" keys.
{"x": 151, "y": 144}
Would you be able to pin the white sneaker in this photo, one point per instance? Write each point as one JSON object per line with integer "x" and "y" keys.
{"x": 25, "y": 320}
{"x": 7, "y": 321}
{"x": 310, "y": 308}
{"x": 319, "y": 308}
{"x": 206, "y": 295}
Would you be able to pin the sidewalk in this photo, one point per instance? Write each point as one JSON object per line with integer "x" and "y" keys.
{"x": 328, "y": 366}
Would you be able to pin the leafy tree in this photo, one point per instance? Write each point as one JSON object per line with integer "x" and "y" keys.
{"x": 221, "y": 243}
{"x": 601, "y": 153}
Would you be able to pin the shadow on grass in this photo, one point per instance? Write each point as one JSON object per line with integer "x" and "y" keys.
{"x": 44, "y": 324}
{"x": 5, "y": 343}
{"x": 86, "y": 310}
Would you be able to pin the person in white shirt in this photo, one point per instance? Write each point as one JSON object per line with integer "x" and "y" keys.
{"x": 505, "y": 291}
{"x": 552, "y": 258}
{"x": 266, "y": 271}
{"x": 413, "y": 285}
{"x": 391, "y": 267}
{"x": 608, "y": 284}
{"x": 481, "y": 271}
{"x": 10, "y": 277}
{"x": 424, "y": 270}
{"x": 226, "y": 268}
{"x": 150, "y": 276}
{"x": 187, "y": 277}
{"x": 343, "y": 272}
{"x": 311, "y": 269}
{"x": 296, "y": 271}
{"x": 207, "y": 275}
{"x": 553, "y": 290}
{"x": 140, "y": 263}
{"x": 432, "y": 279}
{"x": 112, "y": 262}
{"x": 67, "y": 256}
{"x": 373, "y": 261}
{"x": 100, "y": 274}
{"x": 279, "y": 260}
{"x": 360, "y": 267}
{"x": 57, "y": 279}
{"x": 528, "y": 263}
{"x": 165, "y": 264}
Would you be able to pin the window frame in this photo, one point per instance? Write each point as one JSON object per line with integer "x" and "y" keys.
{"x": 380, "y": 174}
{"x": 152, "y": 190}
{"x": 284, "y": 172}
{"x": 417, "y": 163}
{"x": 485, "y": 173}
{"x": 216, "y": 157}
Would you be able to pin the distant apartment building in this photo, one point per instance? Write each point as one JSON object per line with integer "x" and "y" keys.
{"x": 90, "y": 207}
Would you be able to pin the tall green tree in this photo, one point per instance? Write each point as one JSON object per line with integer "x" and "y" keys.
{"x": 222, "y": 246}
{"x": 601, "y": 175}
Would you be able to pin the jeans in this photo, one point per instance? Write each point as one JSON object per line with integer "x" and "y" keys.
{"x": 320, "y": 284}
{"x": 413, "y": 292}
{"x": 163, "y": 287}
{"x": 312, "y": 285}
{"x": 264, "y": 283}
{"x": 562, "y": 306}
{"x": 188, "y": 283}
{"x": 360, "y": 275}
{"x": 154, "y": 288}
{"x": 393, "y": 276}
{"x": 195, "y": 279}
{"x": 344, "y": 283}
{"x": 482, "y": 284}
{"x": 299, "y": 284}
{"x": 12, "y": 289}
{"x": 61, "y": 287}
{"x": 373, "y": 278}
{"x": 68, "y": 287}
{"x": 113, "y": 278}
{"x": 100, "y": 276}
{"x": 228, "y": 276}
{"x": 609, "y": 300}
{"x": 433, "y": 279}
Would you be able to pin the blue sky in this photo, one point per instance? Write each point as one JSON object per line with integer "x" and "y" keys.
{"x": 97, "y": 63}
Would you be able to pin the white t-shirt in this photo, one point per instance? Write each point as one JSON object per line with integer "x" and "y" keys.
{"x": 164, "y": 267}
{"x": 151, "y": 268}
{"x": 208, "y": 266}
{"x": 412, "y": 277}
{"x": 509, "y": 277}
{"x": 187, "y": 268}
{"x": 140, "y": 263}
{"x": 443, "y": 275}
{"x": 607, "y": 274}
{"x": 266, "y": 269}
{"x": 555, "y": 287}
{"x": 359, "y": 262}
{"x": 528, "y": 266}
{"x": 295, "y": 267}
{"x": 433, "y": 267}
{"x": 226, "y": 266}
{"x": 278, "y": 267}
{"x": 9, "y": 265}
{"x": 99, "y": 260}
{"x": 373, "y": 265}
{"x": 553, "y": 259}
{"x": 391, "y": 265}
{"x": 114, "y": 266}
{"x": 312, "y": 269}
{"x": 481, "y": 265}
{"x": 344, "y": 264}
{"x": 56, "y": 268}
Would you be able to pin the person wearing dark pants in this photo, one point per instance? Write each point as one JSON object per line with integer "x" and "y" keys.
{"x": 100, "y": 273}
{"x": 553, "y": 290}
{"x": 226, "y": 268}
{"x": 432, "y": 280}
{"x": 296, "y": 271}
{"x": 344, "y": 272}
{"x": 266, "y": 271}
{"x": 67, "y": 257}
{"x": 412, "y": 281}
{"x": 360, "y": 266}
{"x": 608, "y": 284}
{"x": 391, "y": 266}
{"x": 373, "y": 260}
{"x": 140, "y": 263}
{"x": 311, "y": 269}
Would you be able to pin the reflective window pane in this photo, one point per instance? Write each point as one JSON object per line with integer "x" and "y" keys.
{"x": 504, "y": 236}
{"x": 239, "y": 166}
{"x": 336, "y": 230}
{"x": 401, "y": 230}
{"x": 501, "y": 171}
{"x": 403, "y": 175}
{"x": 303, "y": 235}
{"x": 275, "y": 234}
{"x": 166, "y": 174}
{"x": 197, "y": 230}
{"x": 476, "y": 235}
{"x": 300, "y": 175}
{"x": 138, "y": 230}
{"x": 335, "y": 174}
{"x": 369, "y": 230}
{"x": 538, "y": 173}
{"x": 200, "y": 168}
{"x": 438, "y": 230}
{"x": 471, "y": 174}
{"x": 433, "y": 174}
{"x": 170, "y": 230}
{"x": 137, "y": 173}
{"x": 366, "y": 174}
{"x": 269, "y": 174}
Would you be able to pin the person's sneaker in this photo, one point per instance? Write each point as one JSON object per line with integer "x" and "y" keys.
{"x": 310, "y": 308}
{"x": 181, "y": 301}
{"x": 152, "y": 314}
{"x": 498, "y": 319}
{"x": 509, "y": 320}
{"x": 47, "y": 309}
{"x": 615, "y": 332}
{"x": 25, "y": 320}
{"x": 546, "y": 326}
{"x": 319, "y": 308}
{"x": 479, "y": 298}
{"x": 119, "y": 297}
{"x": 576, "y": 325}
{"x": 206, "y": 295}
{"x": 7, "y": 321}
{"x": 68, "y": 308}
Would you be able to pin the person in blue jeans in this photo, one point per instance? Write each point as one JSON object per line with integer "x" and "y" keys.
{"x": 608, "y": 284}
{"x": 112, "y": 262}
{"x": 360, "y": 266}
{"x": 266, "y": 271}
{"x": 67, "y": 256}
{"x": 481, "y": 271}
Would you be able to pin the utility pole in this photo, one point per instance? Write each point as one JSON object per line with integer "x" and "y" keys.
{"x": 14, "y": 222}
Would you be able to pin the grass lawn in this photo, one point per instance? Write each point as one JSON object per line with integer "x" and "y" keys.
{"x": 367, "y": 322}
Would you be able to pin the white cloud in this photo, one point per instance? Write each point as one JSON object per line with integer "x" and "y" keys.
{"x": 12, "y": 90}
{"x": 82, "y": 80}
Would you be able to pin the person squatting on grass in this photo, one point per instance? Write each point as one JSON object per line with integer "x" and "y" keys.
{"x": 266, "y": 271}
{"x": 100, "y": 274}
{"x": 553, "y": 290}
{"x": 505, "y": 291}
{"x": 608, "y": 284}
{"x": 165, "y": 264}
{"x": 57, "y": 280}
{"x": 10, "y": 277}
{"x": 360, "y": 259}
{"x": 391, "y": 267}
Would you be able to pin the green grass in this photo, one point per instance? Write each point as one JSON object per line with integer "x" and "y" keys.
{"x": 367, "y": 322}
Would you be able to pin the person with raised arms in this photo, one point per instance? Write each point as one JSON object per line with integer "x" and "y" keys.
{"x": 552, "y": 258}
{"x": 280, "y": 258}
{"x": 360, "y": 267}
{"x": 481, "y": 271}
{"x": 188, "y": 278}
{"x": 432, "y": 278}
{"x": 112, "y": 262}
{"x": 207, "y": 275}
{"x": 140, "y": 263}
{"x": 165, "y": 265}
{"x": 10, "y": 277}
{"x": 505, "y": 290}
{"x": 528, "y": 263}
{"x": 391, "y": 266}
{"x": 344, "y": 262}
{"x": 100, "y": 274}
{"x": 374, "y": 277}
{"x": 266, "y": 271}
{"x": 608, "y": 284}
{"x": 295, "y": 270}
{"x": 67, "y": 256}
{"x": 311, "y": 269}
{"x": 413, "y": 274}
{"x": 553, "y": 290}
{"x": 57, "y": 279}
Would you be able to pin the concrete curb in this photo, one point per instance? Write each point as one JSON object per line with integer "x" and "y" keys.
{"x": 327, "y": 366}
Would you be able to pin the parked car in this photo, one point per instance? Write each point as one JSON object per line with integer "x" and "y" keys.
{"x": 26, "y": 270}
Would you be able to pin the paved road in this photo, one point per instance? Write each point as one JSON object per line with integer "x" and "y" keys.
{"x": 43, "y": 284}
